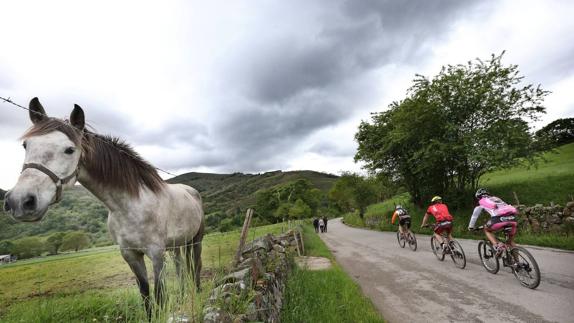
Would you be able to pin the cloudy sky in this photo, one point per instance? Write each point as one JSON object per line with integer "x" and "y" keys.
{"x": 253, "y": 86}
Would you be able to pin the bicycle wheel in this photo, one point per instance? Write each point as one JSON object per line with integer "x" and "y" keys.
{"x": 488, "y": 257}
{"x": 436, "y": 248}
{"x": 400, "y": 240}
{"x": 412, "y": 241}
{"x": 457, "y": 254}
{"x": 525, "y": 268}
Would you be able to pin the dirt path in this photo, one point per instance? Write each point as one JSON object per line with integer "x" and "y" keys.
{"x": 411, "y": 286}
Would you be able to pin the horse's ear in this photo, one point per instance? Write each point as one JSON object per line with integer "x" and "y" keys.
{"x": 37, "y": 113}
{"x": 77, "y": 117}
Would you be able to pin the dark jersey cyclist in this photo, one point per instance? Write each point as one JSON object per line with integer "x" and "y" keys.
{"x": 443, "y": 218}
{"x": 404, "y": 219}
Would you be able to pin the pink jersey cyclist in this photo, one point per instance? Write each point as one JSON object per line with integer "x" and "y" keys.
{"x": 501, "y": 214}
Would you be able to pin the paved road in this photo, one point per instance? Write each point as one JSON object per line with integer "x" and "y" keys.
{"x": 409, "y": 286}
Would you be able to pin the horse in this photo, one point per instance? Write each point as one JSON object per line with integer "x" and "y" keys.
{"x": 147, "y": 216}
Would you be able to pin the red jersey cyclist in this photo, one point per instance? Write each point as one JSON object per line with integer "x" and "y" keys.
{"x": 443, "y": 219}
{"x": 501, "y": 215}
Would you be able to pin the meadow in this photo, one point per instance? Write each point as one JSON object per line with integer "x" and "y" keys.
{"x": 551, "y": 180}
{"x": 96, "y": 285}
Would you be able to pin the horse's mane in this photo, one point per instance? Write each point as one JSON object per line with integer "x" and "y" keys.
{"x": 108, "y": 160}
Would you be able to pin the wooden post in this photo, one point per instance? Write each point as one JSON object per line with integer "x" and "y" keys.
{"x": 516, "y": 198}
{"x": 297, "y": 243}
{"x": 302, "y": 243}
{"x": 243, "y": 237}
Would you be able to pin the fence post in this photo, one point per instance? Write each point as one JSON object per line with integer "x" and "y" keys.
{"x": 243, "y": 237}
{"x": 516, "y": 198}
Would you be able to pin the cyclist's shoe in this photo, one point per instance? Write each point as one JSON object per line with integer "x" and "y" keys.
{"x": 499, "y": 247}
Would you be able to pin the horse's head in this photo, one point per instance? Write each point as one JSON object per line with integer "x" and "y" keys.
{"x": 53, "y": 149}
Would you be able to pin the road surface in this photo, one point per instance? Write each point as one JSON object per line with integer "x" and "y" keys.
{"x": 409, "y": 286}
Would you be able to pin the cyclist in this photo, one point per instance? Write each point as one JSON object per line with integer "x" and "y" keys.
{"x": 501, "y": 215}
{"x": 404, "y": 219}
{"x": 443, "y": 219}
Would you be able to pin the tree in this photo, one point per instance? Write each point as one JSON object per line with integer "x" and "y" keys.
{"x": 353, "y": 191}
{"x": 452, "y": 129}
{"x": 55, "y": 241}
{"x": 6, "y": 247}
{"x": 300, "y": 210}
{"x": 28, "y": 247}
{"x": 557, "y": 133}
{"x": 75, "y": 241}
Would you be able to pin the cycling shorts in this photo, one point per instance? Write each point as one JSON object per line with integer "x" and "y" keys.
{"x": 444, "y": 226}
{"x": 497, "y": 223}
{"x": 405, "y": 221}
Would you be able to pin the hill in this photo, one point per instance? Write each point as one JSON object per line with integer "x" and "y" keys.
{"x": 227, "y": 192}
{"x": 551, "y": 180}
{"x": 222, "y": 193}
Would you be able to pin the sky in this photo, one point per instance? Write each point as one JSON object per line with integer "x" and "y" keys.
{"x": 260, "y": 85}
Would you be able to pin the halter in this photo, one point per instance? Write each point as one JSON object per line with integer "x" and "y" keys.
{"x": 57, "y": 180}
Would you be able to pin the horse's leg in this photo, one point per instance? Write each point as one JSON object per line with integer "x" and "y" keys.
{"x": 194, "y": 250}
{"x": 158, "y": 260}
{"x": 180, "y": 275}
{"x": 135, "y": 260}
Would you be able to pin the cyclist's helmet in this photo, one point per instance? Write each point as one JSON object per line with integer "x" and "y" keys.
{"x": 480, "y": 193}
{"x": 436, "y": 199}
{"x": 398, "y": 207}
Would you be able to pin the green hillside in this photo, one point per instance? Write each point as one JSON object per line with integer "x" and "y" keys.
{"x": 223, "y": 193}
{"x": 551, "y": 180}
{"x": 227, "y": 192}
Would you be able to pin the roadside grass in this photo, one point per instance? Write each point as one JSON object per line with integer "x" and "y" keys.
{"x": 97, "y": 285}
{"x": 324, "y": 295}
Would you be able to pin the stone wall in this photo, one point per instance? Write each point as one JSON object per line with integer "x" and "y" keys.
{"x": 553, "y": 218}
{"x": 253, "y": 291}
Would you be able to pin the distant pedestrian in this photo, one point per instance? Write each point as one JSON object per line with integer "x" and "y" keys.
{"x": 321, "y": 225}
{"x": 324, "y": 224}
{"x": 316, "y": 225}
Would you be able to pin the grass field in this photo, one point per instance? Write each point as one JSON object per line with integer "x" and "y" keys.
{"x": 325, "y": 295}
{"x": 97, "y": 285}
{"x": 551, "y": 181}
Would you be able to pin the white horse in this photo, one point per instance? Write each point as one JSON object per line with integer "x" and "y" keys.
{"x": 146, "y": 215}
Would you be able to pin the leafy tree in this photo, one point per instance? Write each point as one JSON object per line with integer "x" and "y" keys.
{"x": 352, "y": 191}
{"x": 55, "y": 241}
{"x": 453, "y": 128}
{"x": 6, "y": 247}
{"x": 28, "y": 247}
{"x": 557, "y": 133}
{"x": 300, "y": 210}
{"x": 75, "y": 241}
{"x": 275, "y": 204}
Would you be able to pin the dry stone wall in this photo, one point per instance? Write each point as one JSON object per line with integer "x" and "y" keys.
{"x": 253, "y": 291}
{"x": 553, "y": 218}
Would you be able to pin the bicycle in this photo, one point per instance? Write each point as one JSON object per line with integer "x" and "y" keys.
{"x": 451, "y": 247}
{"x": 409, "y": 238}
{"x": 523, "y": 265}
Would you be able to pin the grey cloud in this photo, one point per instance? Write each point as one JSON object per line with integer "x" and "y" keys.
{"x": 293, "y": 86}
{"x": 328, "y": 148}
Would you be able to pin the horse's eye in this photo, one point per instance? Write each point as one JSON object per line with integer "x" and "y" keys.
{"x": 24, "y": 145}
{"x": 69, "y": 150}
